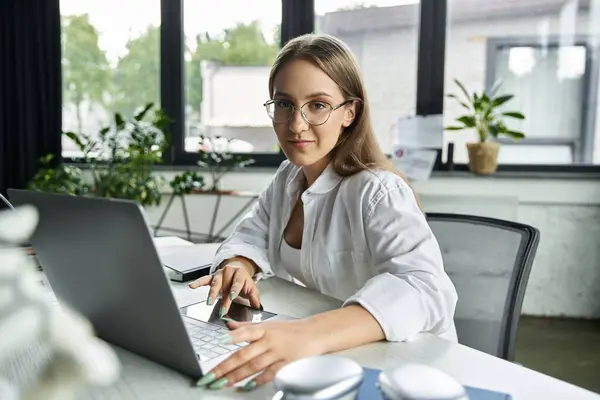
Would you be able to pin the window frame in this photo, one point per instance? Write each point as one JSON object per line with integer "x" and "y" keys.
{"x": 546, "y": 169}
{"x": 298, "y": 17}
{"x": 581, "y": 145}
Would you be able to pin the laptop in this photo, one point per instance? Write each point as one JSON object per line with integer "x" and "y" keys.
{"x": 100, "y": 259}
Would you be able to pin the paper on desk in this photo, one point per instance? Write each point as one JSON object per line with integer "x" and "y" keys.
{"x": 416, "y": 164}
{"x": 170, "y": 241}
{"x": 419, "y": 131}
{"x": 184, "y": 258}
{"x": 181, "y": 255}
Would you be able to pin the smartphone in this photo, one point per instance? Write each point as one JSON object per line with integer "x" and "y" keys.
{"x": 240, "y": 311}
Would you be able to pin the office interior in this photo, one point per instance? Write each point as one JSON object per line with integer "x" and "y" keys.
{"x": 72, "y": 65}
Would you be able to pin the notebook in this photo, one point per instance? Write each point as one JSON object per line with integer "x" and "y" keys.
{"x": 369, "y": 391}
{"x": 186, "y": 263}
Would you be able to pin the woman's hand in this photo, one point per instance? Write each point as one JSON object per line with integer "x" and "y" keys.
{"x": 232, "y": 280}
{"x": 272, "y": 345}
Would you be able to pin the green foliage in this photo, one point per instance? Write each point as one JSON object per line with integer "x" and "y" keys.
{"x": 484, "y": 115}
{"x": 137, "y": 74}
{"x": 277, "y": 35}
{"x": 121, "y": 155}
{"x": 65, "y": 179}
{"x": 216, "y": 157}
{"x": 120, "y": 159}
{"x": 242, "y": 45}
{"x": 86, "y": 72}
{"x": 187, "y": 182}
{"x": 89, "y": 78}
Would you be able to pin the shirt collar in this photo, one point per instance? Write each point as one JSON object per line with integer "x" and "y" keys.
{"x": 324, "y": 183}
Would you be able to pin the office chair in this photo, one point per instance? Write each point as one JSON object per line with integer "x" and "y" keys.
{"x": 489, "y": 261}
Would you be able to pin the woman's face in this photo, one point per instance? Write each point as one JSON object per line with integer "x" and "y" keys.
{"x": 297, "y": 83}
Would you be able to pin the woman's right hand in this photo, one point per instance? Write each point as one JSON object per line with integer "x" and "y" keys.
{"x": 232, "y": 280}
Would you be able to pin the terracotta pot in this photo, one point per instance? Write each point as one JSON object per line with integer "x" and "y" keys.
{"x": 483, "y": 157}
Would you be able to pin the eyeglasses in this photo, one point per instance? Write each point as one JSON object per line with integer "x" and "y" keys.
{"x": 314, "y": 112}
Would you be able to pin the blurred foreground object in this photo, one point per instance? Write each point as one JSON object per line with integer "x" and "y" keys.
{"x": 68, "y": 356}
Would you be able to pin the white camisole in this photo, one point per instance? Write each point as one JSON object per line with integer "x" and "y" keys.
{"x": 290, "y": 258}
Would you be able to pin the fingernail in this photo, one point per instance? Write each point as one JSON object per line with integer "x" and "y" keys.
{"x": 225, "y": 339}
{"x": 231, "y": 295}
{"x": 228, "y": 319}
{"x": 218, "y": 384}
{"x": 249, "y": 386}
{"x": 209, "y": 301}
{"x": 206, "y": 379}
{"x": 222, "y": 312}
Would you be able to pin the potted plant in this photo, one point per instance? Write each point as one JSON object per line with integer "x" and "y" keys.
{"x": 485, "y": 116}
{"x": 217, "y": 158}
{"x": 61, "y": 178}
{"x": 120, "y": 159}
{"x": 186, "y": 183}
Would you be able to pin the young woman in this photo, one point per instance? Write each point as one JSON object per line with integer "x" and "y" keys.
{"x": 338, "y": 218}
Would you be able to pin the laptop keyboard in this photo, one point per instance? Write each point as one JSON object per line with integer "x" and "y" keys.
{"x": 205, "y": 339}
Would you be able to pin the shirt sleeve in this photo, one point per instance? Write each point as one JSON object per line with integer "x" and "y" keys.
{"x": 410, "y": 292}
{"x": 250, "y": 237}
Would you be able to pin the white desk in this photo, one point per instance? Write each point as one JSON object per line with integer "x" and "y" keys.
{"x": 143, "y": 379}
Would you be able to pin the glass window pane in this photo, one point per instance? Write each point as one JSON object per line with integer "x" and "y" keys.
{"x": 230, "y": 46}
{"x": 110, "y": 62}
{"x": 541, "y": 52}
{"x": 383, "y": 35}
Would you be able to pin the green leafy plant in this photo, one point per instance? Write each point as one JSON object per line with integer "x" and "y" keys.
{"x": 218, "y": 160}
{"x": 120, "y": 158}
{"x": 484, "y": 114}
{"x": 62, "y": 178}
{"x": 187, "y": 182}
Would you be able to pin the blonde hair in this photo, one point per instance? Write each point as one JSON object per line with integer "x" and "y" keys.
{"x": 357, "y": 148}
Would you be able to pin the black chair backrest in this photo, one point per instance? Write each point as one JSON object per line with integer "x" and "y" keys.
{"x": 489, "y": 261}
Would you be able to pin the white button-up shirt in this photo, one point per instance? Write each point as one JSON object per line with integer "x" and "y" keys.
{"x": 365, "y": 241}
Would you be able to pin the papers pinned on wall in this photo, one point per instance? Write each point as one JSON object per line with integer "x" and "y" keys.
{"x": 415, "y": 164}
{"x": 418, "y": 140}
{"x": 418, "y": 131}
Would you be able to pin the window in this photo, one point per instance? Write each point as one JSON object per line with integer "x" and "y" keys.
{"x": 110, "y": 62}
{"x": 230, "y": 46}
{"x": 543, "y": 53}
{"x": 383, "y": 35}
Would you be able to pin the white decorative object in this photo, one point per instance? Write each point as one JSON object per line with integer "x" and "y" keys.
{"x": 29, "y": 321}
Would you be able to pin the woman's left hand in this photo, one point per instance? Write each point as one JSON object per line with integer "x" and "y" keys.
{"x": 271, "y": 346}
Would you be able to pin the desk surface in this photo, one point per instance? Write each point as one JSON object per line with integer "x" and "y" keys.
{"x": 141, "y": 378}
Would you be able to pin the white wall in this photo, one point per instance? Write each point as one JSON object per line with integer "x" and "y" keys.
{"x": 565, "y": 279}
{"x": 234, "y": 95}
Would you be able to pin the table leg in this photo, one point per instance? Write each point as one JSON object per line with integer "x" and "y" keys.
{"x": 214, "y": 218}
{"x": 186, "y": 219}
{"x": 235, "y": 217}
{"x": 164, "y": 214}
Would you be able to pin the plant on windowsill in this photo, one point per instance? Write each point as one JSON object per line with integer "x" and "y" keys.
{"x": 488, "y": 121}
{"x": 58, "y": 178}
{"x": 216, "y": 157}
{"x": 120, "y": 159}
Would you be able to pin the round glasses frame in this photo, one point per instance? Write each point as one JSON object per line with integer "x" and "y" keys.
{"x": 294, "y": 107}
